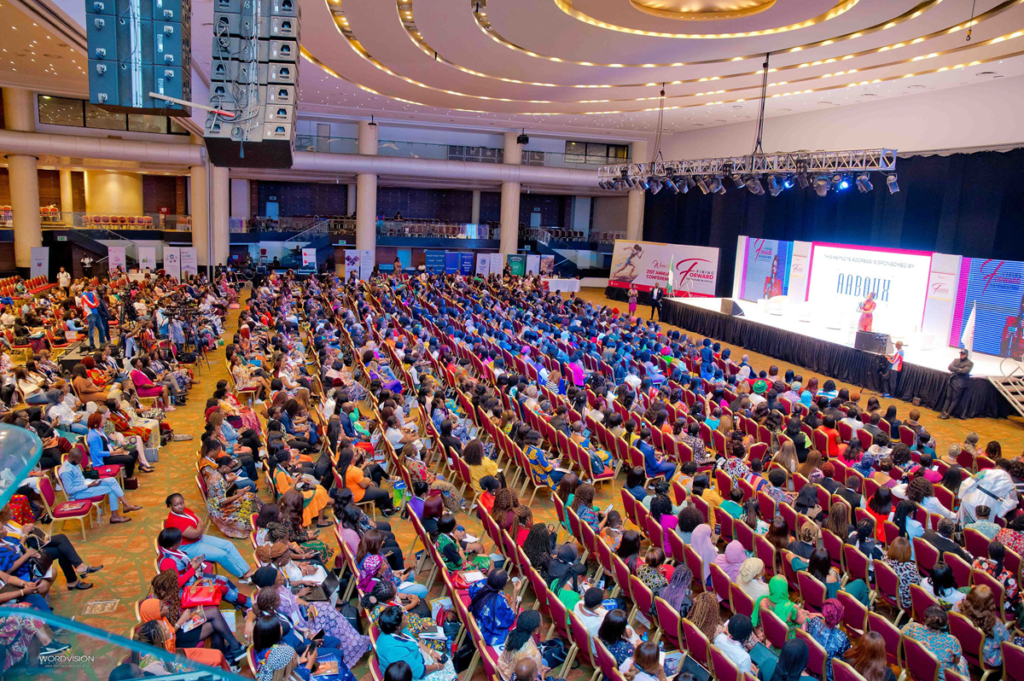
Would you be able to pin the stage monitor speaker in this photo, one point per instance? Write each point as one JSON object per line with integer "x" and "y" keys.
{"x": 870, "y": 341}
{"x": 731, "y": 307}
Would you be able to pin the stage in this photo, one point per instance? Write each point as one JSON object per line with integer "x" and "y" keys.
{"x": 787, "y": 332}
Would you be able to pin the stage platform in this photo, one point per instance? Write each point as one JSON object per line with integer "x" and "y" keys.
{"x": 787, "y": 333}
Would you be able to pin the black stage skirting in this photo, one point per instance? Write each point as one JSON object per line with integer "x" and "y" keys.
{"x": 835, "y": 361}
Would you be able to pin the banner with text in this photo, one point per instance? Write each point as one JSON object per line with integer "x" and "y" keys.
{"x": 842, "y": 277}
{"x": 483, "y": 265}
{"x": 116, "y": 258}
{"x": 532, "y": 264}
{"x": 351, "y": 263}
{"x": 989, "y": 313}
{"x": 465, "y": 264}
{"x": 435, "y": 262}
{"x": 172, "y": 261}
{"x": 517, "y": 264}
{"x": 189, "y": 261}
{"x": 147, "y": 258}
{"x": 644, "y": 264}
{"x": 766, "y": 266}
{"x": 367, "y": 257}
{"x": 40, "y": 266}
{"x": 451, "y": 263}
{"x": 497, "y": 263}
{"x": 309, "y": 258}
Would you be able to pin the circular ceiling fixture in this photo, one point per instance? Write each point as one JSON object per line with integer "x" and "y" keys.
{"x": 701, "y": 10}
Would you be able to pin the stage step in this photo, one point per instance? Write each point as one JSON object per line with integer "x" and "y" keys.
{"x": 1012, "y": 388}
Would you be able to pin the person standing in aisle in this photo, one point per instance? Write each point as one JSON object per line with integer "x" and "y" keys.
{"x": 960, "y": 374}
{"x": 632, "y": 300}
{"x": 895, "y": 367}
{"x": 656, "y": 295}
{"x": 64, "y": 280}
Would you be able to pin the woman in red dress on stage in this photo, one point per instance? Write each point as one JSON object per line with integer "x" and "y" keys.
{"x": 866, "y": 309}
{"x": 772, "y": 283}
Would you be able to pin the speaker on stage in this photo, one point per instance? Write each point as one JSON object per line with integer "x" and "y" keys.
{"x": 731, "y": 307}
{"x": 870, "y": 341}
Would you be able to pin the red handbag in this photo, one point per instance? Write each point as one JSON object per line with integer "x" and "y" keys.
{"x": 200, "y": 595}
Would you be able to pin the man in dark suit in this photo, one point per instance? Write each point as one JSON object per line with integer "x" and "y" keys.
{"x": 851, "y": 493}
{"x": 873, "y": 426}
{"x": 830, "y": 485}
{"x": 943, "y": 540}
{"x": 834, "y": 411}
{"x": 656, "y": 295}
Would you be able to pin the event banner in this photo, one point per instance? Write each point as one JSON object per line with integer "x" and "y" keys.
{"x": 842, "y": 277}
{"x": 989, "y": 313}
{"x": 483, "y": 265}
{"x": 40, "y": 266}
{"x": 189, "y": 261}
{"x": 309, "y": 258}
{"x": 451, "y": 262}
{"x": 172, "y": 261}
{"x": 517, "y": 263}
{"x": 116, "y": 258}
{"x": 351, "y": 262}
{"x": 147, "y": 258}
{"x": 497, "y": 263}
{"x": 547, "y": 265}
{"x": 532, "y": 264}
{"x": 435, "y": 262}
{"x": 643, "y": 264}
{"x": 465, "y": 264}
{"x": 766, "y": 266}
{"x": 367, "y": 257}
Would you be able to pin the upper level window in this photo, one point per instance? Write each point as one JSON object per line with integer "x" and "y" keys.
{"x": 78, "y": 113}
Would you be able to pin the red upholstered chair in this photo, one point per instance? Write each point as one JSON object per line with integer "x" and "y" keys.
{"x": 813, "y": 591}
{"x": 766, "y": 507}
{"x": 961, "y": 569}
{"x": 775, "y": 630}
{"x": 696, "y": 565}
{"x": 887, "y": 588}
{"x": 855, "y": 613}
{"x": 857, "y": 564}
{"x": 741, "y": 602}
{"x": 720, "y": 582}
{"x": 696, "y": 642}
{"x": 722, "y": 667}
{"x": 890, "y": 634}
{"x": 643, "y": 598}
{"x": 744, "y": 535}
{"x": 972, "y": 641}
{"x": 817, "y": 657}
{"x": 75, "y": 509}
{"x": 920, "y": 600}
{"x": 668, "y": 619}
{"x": 976, "y": 542}
{"x": 920, "y": 664}
{"x": 766, "y": 552}
{"x": 998, "y": 591}
{"x": 834, "y": 546}
{"x": 925, "y": 555}
{"x": 1013, "y": 662}
{"x": 842, "y": 671}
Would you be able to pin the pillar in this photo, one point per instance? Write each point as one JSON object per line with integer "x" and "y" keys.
{"x": 510, "y": 198}
{"x": 20, "y": 115}
{"x": 113, "y": 193}
{"x": 67, "y": 195}
{"x": 475, "y": 216}
{"x": 366, "y": 192}
{"x": 635, "y": 211}
{"x": 220, "y": 233}
{"x": 350, "y": 205}
{"x": 197, "y": 204}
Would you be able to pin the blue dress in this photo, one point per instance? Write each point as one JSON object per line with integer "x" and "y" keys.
{"x": 494, "y": 616}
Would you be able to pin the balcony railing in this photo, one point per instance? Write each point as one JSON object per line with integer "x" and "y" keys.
{"x": 437, "y": 229}
{"x": 55, "y": 219}
{"x": 451, "y": 152}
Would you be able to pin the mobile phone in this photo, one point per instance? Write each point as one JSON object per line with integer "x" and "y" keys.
{"x": 609, "y": 509}
{"x": 718, "y": 528}
{"x": 318, "y": 637}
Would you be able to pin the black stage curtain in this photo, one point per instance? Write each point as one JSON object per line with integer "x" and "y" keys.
{"x": 836, "y": 361}
{"x": 963, "y": 203}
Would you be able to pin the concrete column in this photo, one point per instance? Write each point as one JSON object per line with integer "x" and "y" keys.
{"x": 220, "y": 233}
{"x": 240, "y": 199}
{"x": 366, "y": 193}
{"x": 197, "y": 204}
{"x": 19, "y": 114}
{"x": 475, "y": 218}
{"x": 350, "y": 204}
{"x": 635, "y": 214}
{"x": 67, "y": 194}
{"x": 113, "y": 193}
{"x": 510, "y": 198}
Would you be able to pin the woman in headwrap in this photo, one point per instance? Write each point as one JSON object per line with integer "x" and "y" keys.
{"x": 490, "y": 608}
{"x": 314, "y": 616}
{"x": 563, "y": 573}
{"x": 750, "y": 578}
{"x": 827, "y": 632}
{"x": 520, "y": 645}
{"x": 778, "y": 602}
{"x": 156, "y": 611}
{"x": 281, "y": 663}
{"x": 806, "y": 398}
{"x": 703, "y": 542}
{"x": 732, "y": 560}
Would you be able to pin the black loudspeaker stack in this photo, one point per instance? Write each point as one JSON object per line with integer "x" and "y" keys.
{"x": 731, "y": 307}
{"x": 254, "y": 75}
{"x": 137, "y": 47}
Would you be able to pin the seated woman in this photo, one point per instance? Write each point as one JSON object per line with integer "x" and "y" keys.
{"x": 132, "y": 445}
{"x": 146, "y": 388}
{"x": 934, "y": 637}
{"x": 231, "y": 513}
{"x": 296, "y": 425}
{"x": 395, "y": 645}
{"x": 271, "y": 528}
{"x": 981, "y": 609}
{"x": 157, "y": 627}
{"x": 189, "y": 570}
{"x": 293, "y": 517}
{"x": 384, "y": 595}
{"x": 363, "y": 488}
{"x": 456, "y": 556}
{"x": 246, "y": 443}
{"x": 245, "y": 377}
{"x": 88, "y": 391}
{"x": 287, "y": 476}
{"x": 195, "y": 542}
{"x": 778, "y": 602}
{"x": 374, "y": 567}
{"x": 305, "y": 573}
{"x": 32, "y": 387}
{"x": 492, "y": 610}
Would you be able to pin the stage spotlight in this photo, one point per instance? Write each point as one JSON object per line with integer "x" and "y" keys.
{"x": 715, "y": 185}
{"x": 755, "y": 186}
{"x": 690, "y": 184}
{"x": 821, "y": 186}
{"x": 774, "y": 186}
{"x": 788, "y": 182}
{"x": 802, "y": 181}
{"x": 844, "y": 182}
{"x": 864, "y": 183}
{"x": 673, "y": 187}
{"x": 702, "y": 184}
{"x": 655, "y": 185}
{"x": 603, "y": 184}
{"x": 891, "y": 181}
{"x": 645, "y": 183}
{"x": 738, "y": 181}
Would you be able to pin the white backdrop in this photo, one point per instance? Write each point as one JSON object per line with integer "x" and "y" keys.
{"x": 841, "y": 277}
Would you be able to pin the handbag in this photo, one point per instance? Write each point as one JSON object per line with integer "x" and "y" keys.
{"x": 200, "y": 594}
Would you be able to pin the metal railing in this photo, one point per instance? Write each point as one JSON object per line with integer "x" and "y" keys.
{"x": 437, "y": 229}
{"x": 54, "y": 219}
{"x": 451, "y": 152}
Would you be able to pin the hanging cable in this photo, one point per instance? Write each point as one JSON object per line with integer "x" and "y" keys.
{"x": 760, "y": 116}
{"x": 970, "y": 25}
{"x": 661, "y": 124}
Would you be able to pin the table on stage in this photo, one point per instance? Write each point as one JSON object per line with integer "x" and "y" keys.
{"x": 567, "y": 285}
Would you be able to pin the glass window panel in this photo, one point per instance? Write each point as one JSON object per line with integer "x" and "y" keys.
{"x": 597, "y": 149}
{"x": 575, "y": 147}
{"x": 147, "y": 123}
{"x": 60, "y": 111}
{"x": 176, "y": 127}
{"x": 95, "y": 117}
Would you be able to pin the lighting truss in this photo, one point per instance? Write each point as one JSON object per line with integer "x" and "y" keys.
{"x": 783, "y": 163}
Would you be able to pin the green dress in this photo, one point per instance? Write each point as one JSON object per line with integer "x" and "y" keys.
{"x": 478, "y": 563}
